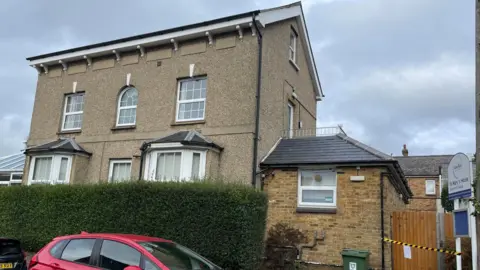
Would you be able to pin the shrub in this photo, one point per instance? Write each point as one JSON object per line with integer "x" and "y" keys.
{"x": 446, "y": 203}
{"x": 225, "y": 223}
{"x": 281, "y": 247}
{"x": 451, "y": 261}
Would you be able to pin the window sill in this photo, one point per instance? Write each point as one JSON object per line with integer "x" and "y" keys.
{"x": 123, "y": 128}
{"x": 294, "y": 65}
{"x": 76, "y": 131}
{"x": 315, "y": 210}
{"x": 187, "y": 123}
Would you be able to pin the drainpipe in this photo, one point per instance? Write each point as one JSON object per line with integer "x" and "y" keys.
{"x": 382, "y": 222}
{"x": 142, "y": 157}
{"x": 257, "y": 105}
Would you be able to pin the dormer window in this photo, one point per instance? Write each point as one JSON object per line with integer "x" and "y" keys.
{"x": 127, "y": 107}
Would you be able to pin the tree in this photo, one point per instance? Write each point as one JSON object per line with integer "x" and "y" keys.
{"x": 446, "y": 203}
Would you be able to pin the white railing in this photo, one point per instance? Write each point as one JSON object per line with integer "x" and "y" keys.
{"x": 314, "y": 132}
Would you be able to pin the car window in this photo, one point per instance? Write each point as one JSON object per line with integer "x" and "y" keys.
{"x": 117, "y": 256}
{"x": 149, "y": 265}
{"x": 78, "y": 250}
{"x": 177, "y": 257}
{"x": 56, "y": 250}
{"x": 9, "y": 246}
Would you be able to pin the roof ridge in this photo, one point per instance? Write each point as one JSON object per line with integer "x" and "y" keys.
{"x": 365, "y": 147}
{"x": 424, "y": 156}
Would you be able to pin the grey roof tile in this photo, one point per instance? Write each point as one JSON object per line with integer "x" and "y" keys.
{"x": 424, "y": 165}
{"x": 62, "y": 144}
{"x": 323, "y": 149}
{"x": 187, "y": 138}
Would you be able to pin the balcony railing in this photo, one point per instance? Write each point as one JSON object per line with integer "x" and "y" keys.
{"x": 314, "y": 132}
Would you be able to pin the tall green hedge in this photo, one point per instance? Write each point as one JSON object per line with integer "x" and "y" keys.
{"x": 225, "y": 223}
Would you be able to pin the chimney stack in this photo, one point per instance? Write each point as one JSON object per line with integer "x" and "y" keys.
{"x": 405, "y": 151}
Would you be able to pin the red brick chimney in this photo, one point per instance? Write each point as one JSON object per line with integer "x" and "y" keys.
{"x": 405, "y": 151}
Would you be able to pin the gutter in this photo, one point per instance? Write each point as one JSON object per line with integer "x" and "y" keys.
{"x": 382, "y": 219}
{"x": 257, "y": 104}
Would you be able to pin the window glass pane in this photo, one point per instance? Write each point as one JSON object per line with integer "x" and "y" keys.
{"x": 430, "y": 187}
{"x": 127, "y": 116}
{"x": 175, "y": 256}
{"x": 62, "y": 174}
{"x": 191, "y": 110}
{"x": 129, "y": 98}
{"x": 79, "y": 250}
{"x": 121, "y": 171}
{"x": 149, "y": 265}
{"x": 115, "y": 255}
{"x": 169, "y": 166}
{"x": 316, "y": 178}
{"x": 317, "y": 196}
{"x": 4, "y": 177}
{"x": 74, "y": 103}
{"x": 196, "y": 165}
{"x": 73, "y": 121}
{"x": 16, "y": 176}
{"x": 194, "y": 89}
{"x": 42, "y": 168}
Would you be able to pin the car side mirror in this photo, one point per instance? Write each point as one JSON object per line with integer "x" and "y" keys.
{"x": 132, "y": 268}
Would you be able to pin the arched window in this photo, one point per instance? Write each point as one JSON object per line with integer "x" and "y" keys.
{"x": 127, "y": 107}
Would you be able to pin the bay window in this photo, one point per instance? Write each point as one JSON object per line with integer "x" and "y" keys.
{"x": 176, "y": 165}
{"x": 53, "y": 169}
{"x": 317, "y": 188}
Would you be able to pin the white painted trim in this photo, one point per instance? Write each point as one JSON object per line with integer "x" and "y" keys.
{"x": 125, "y": 107}
{"x": 54, "y": 169}
{"x": 131, "y": 45}
{"x": 430, "y": 181}
{"x": 165, "y": 145}
{"x": 290, "y": 119}
{"x": 316, "y": 205}
{"x": 271, "y": 150}
{"x": 204, "y": 100}
{"x": 118, "y": 161}
{"x": 65, "y": 114}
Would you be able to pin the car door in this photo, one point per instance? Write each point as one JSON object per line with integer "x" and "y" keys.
{"x": 115, "y": 255}
{"x": 76, "y": 255}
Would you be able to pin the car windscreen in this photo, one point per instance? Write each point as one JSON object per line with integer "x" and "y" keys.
{"x": 9, "y": 247}
{"x": 177, "y": 257}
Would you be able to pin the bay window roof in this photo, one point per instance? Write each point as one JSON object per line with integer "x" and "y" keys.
{"x": 185, "y": 138}
{"x": 68, "y": 145}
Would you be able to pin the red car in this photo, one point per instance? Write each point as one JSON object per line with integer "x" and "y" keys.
{"x": 117, "y": 252}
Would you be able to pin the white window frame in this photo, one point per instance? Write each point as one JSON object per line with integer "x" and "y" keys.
{"x": 54, "y": 170}
{"x": 126, "y": 108}
{"x": 292, "y": 50}
{"x": 290, "y": 109}
{"x": 430, "y": 181}
{"x": 16, "y": 181}
{"x": 185, "y": 167}
{"x": 190, "y": 101}
{"x": 118, "y": 161}
{"x": 65, "y": 113}
{"x": 316, "y": 205}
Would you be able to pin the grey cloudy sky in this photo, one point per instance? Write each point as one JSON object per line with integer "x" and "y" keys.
{"x": 393, "y": 71}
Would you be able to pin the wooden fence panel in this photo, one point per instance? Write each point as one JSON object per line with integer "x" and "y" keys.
{"x": 418, "y": 228}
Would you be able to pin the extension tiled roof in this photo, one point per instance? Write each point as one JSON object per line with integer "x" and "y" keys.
{"x": 61, "y": 145}
{"x": 187, "y": 138}
{"x": 12, "y": 163}
{"x": 424, "y": 165}
{"x": 337, "y": 148}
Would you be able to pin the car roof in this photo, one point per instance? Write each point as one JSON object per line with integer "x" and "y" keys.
{"x": 118, "y": 236}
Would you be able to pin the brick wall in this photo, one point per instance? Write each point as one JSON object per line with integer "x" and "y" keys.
{"x": 356, "y": 223}
{"x": 421, "y": 201}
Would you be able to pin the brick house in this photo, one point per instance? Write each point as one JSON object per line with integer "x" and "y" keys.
{"x": 199, "y": 100}
{"x": 426, "y": 176}
{"x": 333, "y": 185}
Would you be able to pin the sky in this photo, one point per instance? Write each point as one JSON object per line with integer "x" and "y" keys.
{"x": 393, "y": 72}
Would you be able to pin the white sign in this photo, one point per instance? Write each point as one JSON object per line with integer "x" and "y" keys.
{"x": 407, "y": 252}
{"x": 459, "y": 182}
{"x": 353, "y": 266}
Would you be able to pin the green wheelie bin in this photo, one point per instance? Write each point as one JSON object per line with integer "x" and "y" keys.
{"x": 355, "y": 259}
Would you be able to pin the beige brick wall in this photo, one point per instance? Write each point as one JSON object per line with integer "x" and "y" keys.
{"x": 356, "y": 223}
{"x": 421, "y": 201}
